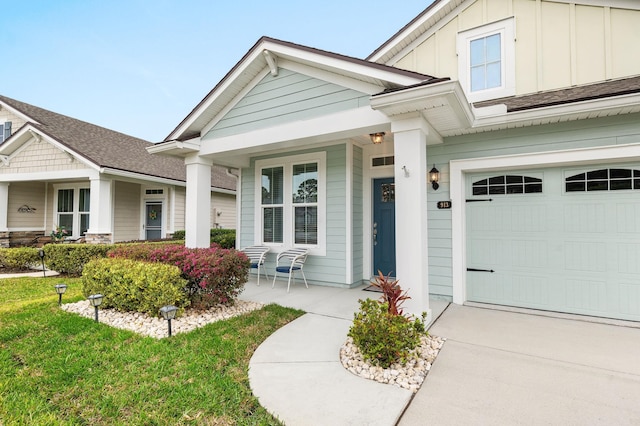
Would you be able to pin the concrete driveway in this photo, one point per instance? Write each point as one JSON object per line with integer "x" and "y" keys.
{"x": 506, "y": 368}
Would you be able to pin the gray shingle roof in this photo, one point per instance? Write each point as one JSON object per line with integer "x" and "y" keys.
{"x": 111, "y": 149}
{"x": 585, "y": 92}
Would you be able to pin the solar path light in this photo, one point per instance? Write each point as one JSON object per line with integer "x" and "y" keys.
{"x": 60, "y": 289}
{"x": 95, "y": 300}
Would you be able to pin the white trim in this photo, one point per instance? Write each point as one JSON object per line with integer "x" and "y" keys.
{"x": 459, "y": 169}
{"x": 506, "y": 29}
{"x": 348, "y": 243}
{"x": 153, "y": 198}
{"x": 76, "y": 186}
{"x": 287, "y": 163}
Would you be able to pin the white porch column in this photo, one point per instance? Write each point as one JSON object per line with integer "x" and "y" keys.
{"x": 4, "y": 206}
{"x": 410, "y": 169}
{"x": 101, "y": 211}
{"x": 198, "y": 202}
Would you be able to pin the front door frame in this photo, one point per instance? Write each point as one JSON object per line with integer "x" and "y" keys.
{"x": 377, "y": 229}
{"x": 154, "y": 195}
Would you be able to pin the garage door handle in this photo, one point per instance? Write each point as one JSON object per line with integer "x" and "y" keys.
{"x": 479, "y": 270}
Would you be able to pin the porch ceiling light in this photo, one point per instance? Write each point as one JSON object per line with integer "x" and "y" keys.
{"x": 434, "y": 177}
{"x": 169, "y": 313}
{"x": 95, "y": 300}
{"x": 377, "y": 138}
{"x": 60, "y": 289}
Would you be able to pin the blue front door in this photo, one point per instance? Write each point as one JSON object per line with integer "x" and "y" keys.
{"x": 384, "y": 226}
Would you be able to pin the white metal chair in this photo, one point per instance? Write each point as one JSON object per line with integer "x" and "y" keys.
{"x": 288, "y": 262}
{"x": 257, "y": 256}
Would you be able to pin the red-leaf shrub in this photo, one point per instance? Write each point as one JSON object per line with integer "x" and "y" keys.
{"x": 215, "y": 275}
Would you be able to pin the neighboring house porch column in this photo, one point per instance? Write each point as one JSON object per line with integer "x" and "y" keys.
{"x": 197, "y": 219}
{"x": 410, "y": 169}
{"x": 101, "y": 212}
{"x": 4, "y": 208}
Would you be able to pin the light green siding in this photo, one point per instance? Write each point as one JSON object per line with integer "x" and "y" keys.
{"x": 571, "y": 135}
{"x": 329, "y": 269}
{"x": 284, "y": 98}
{"x": 357, "y": 215}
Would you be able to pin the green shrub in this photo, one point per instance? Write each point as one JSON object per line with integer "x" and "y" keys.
{"x": 19, "y": 258}
{"x": 129, "y": 285}
{"x": 178, "y": 235}
{"x": 71, "y": 258}
{"x": 383, "y": 338}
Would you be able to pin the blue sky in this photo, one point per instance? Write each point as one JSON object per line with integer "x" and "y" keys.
{"x": 140, "y": 66}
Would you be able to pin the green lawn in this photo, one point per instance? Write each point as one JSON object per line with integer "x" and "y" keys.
{"x": 57, "y": 368}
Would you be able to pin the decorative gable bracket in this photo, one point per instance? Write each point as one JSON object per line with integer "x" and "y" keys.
{"x": 4, "y": 159}
{"x": 272, "y": 61}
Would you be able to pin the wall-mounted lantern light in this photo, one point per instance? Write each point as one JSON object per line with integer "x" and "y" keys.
{"x": 95, "y": 300}
{"x": 377, "y": 138}
{"x": 434, "y": 177}
{"x": 60, "y": 289}
{"x": 169, "y": 313}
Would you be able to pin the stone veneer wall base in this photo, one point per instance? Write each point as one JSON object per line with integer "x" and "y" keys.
{"x": 98, "y": 238}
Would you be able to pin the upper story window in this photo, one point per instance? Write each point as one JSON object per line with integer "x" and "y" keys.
{"x": 507, "y": 184}
{"x": 486, "y": 61}
{"x": 603, "y": 180}
{"x": 290, "y": 211}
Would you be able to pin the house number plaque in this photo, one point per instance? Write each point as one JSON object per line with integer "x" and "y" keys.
{"x": 444, "y": 204}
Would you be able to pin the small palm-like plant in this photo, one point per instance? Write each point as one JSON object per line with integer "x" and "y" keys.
{"x": 392, "y": 294}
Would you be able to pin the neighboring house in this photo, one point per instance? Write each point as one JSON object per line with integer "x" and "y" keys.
{"x": 530, "y": 112}
{"x": 56, "y": 171}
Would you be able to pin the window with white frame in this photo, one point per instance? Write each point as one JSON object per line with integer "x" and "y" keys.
{"x": 72, "y": 210}
{"x": 486, "y": 60}
{"x": 290, "y": 211}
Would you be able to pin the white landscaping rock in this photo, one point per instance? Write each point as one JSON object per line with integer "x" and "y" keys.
{"x": 409, "y": 376}
{"x": 157, "y": 327}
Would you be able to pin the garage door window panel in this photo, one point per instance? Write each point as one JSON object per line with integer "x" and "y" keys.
{"x": 507, "y": 184}
{"x": 603, "y": 180}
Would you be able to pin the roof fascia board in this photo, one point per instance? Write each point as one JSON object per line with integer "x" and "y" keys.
{"x": 185, "y": 147}
{"x": 138, "y": 177}
{"x": 414, "y": 96}
{"x": 301, "y": 133}
{"x": 51, "y": 176}
{"x": 555, "y": 111}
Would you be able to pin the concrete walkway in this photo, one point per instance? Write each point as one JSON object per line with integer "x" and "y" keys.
{"x": 296, "y": 373}
{"x": 496, "y": 368}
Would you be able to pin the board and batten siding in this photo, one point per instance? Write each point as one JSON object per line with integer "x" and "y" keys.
{"x": 126, "y": 215}
{"x": 618, "y": 130}
{"x": 223, "y": 210}
{"x": 31, "y": 194}
{"x": 284, "y": 98}
{"x": 41, "y": 157}
{"x": 331, "y": 268}
{"x": 557, "y": 44}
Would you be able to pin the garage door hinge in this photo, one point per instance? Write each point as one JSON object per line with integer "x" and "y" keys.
{"x": 479, "y": 270}
{"x": 477, "y": 201}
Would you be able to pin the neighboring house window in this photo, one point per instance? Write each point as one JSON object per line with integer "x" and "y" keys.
{"x": 5, "y": 131}
{"x": 507, "y": 184}
{"x": 603, "y": 180}
{"x": 486, "y": 61}
{"x": 291, "y": 207}
{"x": 73, "y": 205}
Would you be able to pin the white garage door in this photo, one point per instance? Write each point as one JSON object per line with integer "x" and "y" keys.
{"x": 565, "y": 240}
